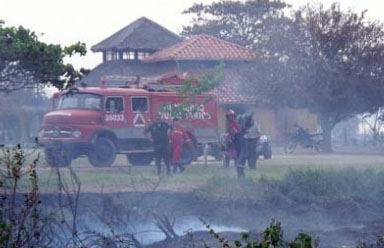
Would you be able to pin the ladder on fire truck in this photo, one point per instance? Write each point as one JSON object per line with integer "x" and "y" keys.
{"x": 138, "y": 82}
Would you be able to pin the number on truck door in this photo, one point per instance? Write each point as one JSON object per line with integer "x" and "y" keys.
{"x": 114, "y": 108}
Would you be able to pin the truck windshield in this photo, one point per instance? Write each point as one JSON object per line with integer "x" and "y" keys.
{"x": 80, "y": 101}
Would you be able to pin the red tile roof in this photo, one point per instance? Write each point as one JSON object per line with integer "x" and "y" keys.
{"x": 203, "y": 47}
{"x": 231, "y": 90}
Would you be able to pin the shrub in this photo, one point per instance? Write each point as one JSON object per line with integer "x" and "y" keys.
{"x": 324, "y": 186}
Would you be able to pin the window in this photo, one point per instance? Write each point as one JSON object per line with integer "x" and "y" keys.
{"x": 108, "y": 56}
{"x": 116, "y": 56}
{"x": 142, "y": 55}
{"x": 80, "y": 101}
{"x": 128, "y": 55}
{"x": 139, "y": 104}
{"x": 114, "y": 105}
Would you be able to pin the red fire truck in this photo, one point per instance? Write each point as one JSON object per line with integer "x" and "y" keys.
{"x": 101, "y": 122}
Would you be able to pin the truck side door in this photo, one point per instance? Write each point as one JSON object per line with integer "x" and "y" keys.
{"x": 115, "y": 111}
{"x": 140, "y": 111}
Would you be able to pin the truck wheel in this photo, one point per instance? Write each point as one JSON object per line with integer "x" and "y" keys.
{"x": 267, "y": 151}
{"x": 140, "y": 158}
{"x": 57, "y": 158}
{"x": 103, "y": 153}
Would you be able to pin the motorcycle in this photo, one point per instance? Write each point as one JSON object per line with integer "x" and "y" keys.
{"x": 304, "y": 139}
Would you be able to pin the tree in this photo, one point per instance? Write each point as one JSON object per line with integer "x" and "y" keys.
{"x": 335, "y": 68}
{"x": 325, "y": 60}
{"x": 254, "y": 23}
{"x": 26, "y": 62}
{"x": 375, "y": 123}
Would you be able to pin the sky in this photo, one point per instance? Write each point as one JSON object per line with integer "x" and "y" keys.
{"x": 68, "y": 21}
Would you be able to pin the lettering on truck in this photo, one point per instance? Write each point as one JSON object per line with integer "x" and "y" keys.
{"x": 192, "y": 111}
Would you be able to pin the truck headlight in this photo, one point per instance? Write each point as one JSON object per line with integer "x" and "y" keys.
{"x": 76, "y": 133}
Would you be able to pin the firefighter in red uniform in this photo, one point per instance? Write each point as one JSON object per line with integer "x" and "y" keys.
{"x": 177, "y": 138}
{"x": 232, "y": 128}
{"x": 235, "y": 143}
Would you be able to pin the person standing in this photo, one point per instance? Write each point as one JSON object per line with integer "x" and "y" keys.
{"x": 177, "y": 138}
{"x": 236, "y": 143}
{"x": 232, "y": 128}
{"x": 159, "y": 135}
{"x": 252, "y": 137}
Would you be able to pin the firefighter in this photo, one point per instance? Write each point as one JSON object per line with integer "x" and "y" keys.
{"x": 235, "y": 142}
{"x": 159, "y": 135}
{"x": 178, "y": 137}
{"x": 252, "y": 137}
{"x": 232, "y": 128}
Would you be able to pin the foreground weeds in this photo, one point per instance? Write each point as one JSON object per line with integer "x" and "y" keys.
{"x": 25, "y": 221}
{"x": 271, "y": 237}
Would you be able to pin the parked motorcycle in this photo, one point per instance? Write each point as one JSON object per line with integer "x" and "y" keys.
{"x": 304, "y": 139}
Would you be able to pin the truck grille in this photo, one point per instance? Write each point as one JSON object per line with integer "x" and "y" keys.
{"x": 58, "y": 132}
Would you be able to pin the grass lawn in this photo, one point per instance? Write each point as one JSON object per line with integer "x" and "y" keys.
{"x": 121, "y": 177}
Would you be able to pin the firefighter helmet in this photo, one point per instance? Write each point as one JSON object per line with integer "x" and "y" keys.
{"x": 231, "y": 112}
{"x": 230, "y": 115}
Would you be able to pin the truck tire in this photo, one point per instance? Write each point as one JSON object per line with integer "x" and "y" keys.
{"x": 140, "y": 158}
{"x": 57, "y": 158}
{"x": 102, "y": 153}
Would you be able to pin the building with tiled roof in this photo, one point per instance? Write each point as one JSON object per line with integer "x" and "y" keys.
{"x": 203, "y": 47}
{"x": 144, "y": 50}
{"x": 139, "y": 39}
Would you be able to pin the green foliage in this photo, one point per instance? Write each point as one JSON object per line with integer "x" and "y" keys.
{"x": 321, "y": 186}
{"x": 302, "y": 241}
{"x": 27, "y": 62}
{"x": 379, "y": 243}
{"x": 252, "y": 23}
{"x": 192, "y": 88}
{"x": 19, "y": 212}
{"x": 272, "y": 238}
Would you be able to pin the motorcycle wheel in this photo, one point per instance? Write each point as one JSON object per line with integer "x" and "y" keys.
{"x": 290, "y": 147}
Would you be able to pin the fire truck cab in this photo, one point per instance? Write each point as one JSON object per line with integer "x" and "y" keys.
{"x": 101, "y": 122}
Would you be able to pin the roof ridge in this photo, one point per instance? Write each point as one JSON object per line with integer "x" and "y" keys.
{"x": 162, "y": 27}
{"x": 225, "y": 41}
{"x": 133, "y": 26}
{"x": 116, "y": 33}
